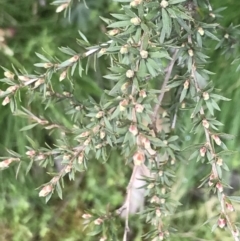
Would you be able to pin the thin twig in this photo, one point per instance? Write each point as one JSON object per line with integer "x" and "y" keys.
{"x": 214, "y": 165}
{"x": 129, "y": 188}
{"x": 160, "y": 97}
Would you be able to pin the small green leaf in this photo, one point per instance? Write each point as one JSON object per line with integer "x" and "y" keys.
{"x": 176, "y": 1}
{"x": 29, "y": 127}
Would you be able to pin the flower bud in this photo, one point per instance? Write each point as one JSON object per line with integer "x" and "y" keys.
{"x": 84, "y": 134}
{"x": 219, "y": 161}
{"x": 173, "y": 162}
{"x": 219, "y": 187}
{"x": 30, "y": 153}
{"x": 144, "y": 54}
{"x": 205, "y": 123}
{"x": 98, "y": 221}
{"x": 164, "y": 4}
{"x": 95, "y": 129}
{"x": 80, "y": 158}
{"x": 160, "y": 173}
{"x": 206, "y": 96}
{"x": 201, "y": 31}
{"x": 68, "y": 168}
{"x": 139, "y": 108}
{"x": 133, "y": 129}
{"x": 155, "y": 199}
{"x": 45, "y": 191}
{"x": 229, "y": 206}
{"x": 123, "y": 104}
{"x": 190, "y": 52}
{"x": 67, "y": 94}
{"x": 138, "y": 158}
{"x": 150, "y": 186}
{"x": 48, "y": 93}
{"x": 86, "y": 216}
{"x": 142, "y": 93}
{"x": 61, "y": 7}
{"x": 217, "y": 140}
{"x": 162, "y": 200}
{"x": 212, "y": 15}
{"x": 161, "y": 236}
{"x": 226, "y": 36}
{"x": 203, "y": 151}
{"x": 135, "y": 21}
{"x": 124, "y": 49}
{"x": 221, "y": 222}
{"x": 6, "y": 101}
{"x": 12, "y": 88}
{"x": 135, "y": 3}
{"x": 183, "y": 105}
{"x": 66, "y": 157}
{"x": 98, "y": 146}
{"x": 103, "y": 238}
{"x": 186, "y": 85}
{"x": 63, "y": 75}
{"x": 6, "y": 163}
{"x": 38, "y": 82}
{"x": 235, "y": 232}
{"x": 74, "y": 59}
{"x": 40, "y": 157}
{"x": 130, "y": 73}
{"x": 158, "y": 213}
{"x": 87, "y": 142}
{"x": 163, "y": 190}
{"x": 102, "y": 134}
{"x": 124, "y": 87}
{"x": 23, "y": 78}
{"x": 211, "y": 178}
{"x": 9, "y": 75}
{"x": 47, "y": 65}
{"x": 113, "y": 32}
{"x": 99, "y": 114}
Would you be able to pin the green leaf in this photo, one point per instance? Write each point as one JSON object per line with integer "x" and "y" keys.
{"x": 29, "y": 166}
{"x": 210, "y": 107}
{"x": 59, "y": 190}
{"x": 234, "y": 198}
{"x": 83, "y": 36}
{"x": 193, "y": 155}
{"x": 43, "y": 57}
{"x": 172, "y": 138}
{"x": 129, "y": 12}
{"x": 219, "y": 97}
{"x": 119, "y": 24}
{"x": 120, "y": 16}
{"x": 183, "y": 94}
{"x": 167, "y": 23}
{"x": 176, "y": 1}
{"x": 212, "y": 36}
{"x": 29, "y": 127}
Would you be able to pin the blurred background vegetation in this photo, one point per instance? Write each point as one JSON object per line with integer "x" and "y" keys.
{"x": 31, "y": 26}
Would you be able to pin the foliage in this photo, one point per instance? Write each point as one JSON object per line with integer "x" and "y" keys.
{"x": 151, "y": 44}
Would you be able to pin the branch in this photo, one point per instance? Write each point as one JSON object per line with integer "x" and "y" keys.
{"x": 160, "y": 97}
